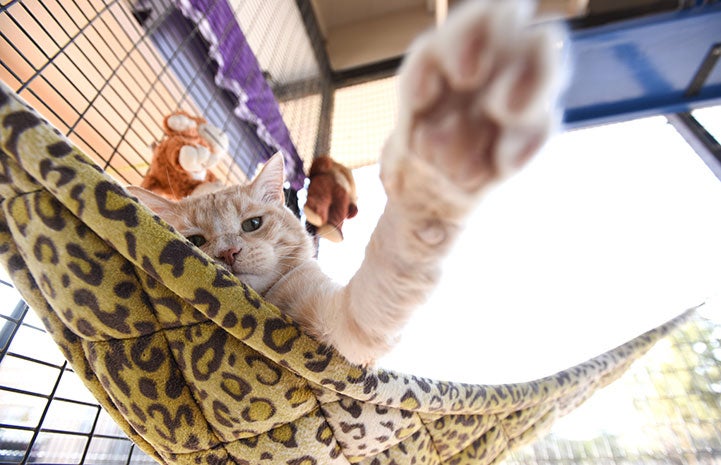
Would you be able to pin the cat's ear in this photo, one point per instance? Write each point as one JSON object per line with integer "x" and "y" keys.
{"x": 268, "y": 184}
{"x": 163, "y": 207}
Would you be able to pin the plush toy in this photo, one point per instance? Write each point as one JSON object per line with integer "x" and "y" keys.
{"x": 331, "y": 197}
{"x": 182, "y": 160}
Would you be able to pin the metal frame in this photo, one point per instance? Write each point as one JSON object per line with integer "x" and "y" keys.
{"x": 322, "y": 146}
{"x": 703, "y": 143}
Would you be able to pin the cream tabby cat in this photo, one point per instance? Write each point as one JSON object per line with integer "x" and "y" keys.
{"x": 477, "y": 99}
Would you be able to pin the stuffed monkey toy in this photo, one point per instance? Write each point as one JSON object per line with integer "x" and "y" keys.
{"x": 183, "y": 158}
{"x": 331, "y": 197}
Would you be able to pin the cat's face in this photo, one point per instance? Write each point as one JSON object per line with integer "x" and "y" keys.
{"x": 247, "y": 229}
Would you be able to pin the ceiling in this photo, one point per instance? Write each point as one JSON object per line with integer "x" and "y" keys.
{"x": 359, "y": 33}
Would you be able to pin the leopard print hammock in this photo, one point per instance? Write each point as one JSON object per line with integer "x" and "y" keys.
{"x": 197, "y": 369}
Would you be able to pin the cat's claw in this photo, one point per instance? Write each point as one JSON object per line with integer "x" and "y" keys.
{"x": 477, "y": 97}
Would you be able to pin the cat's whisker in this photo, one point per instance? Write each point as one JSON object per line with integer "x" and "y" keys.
{"x": 335, "y": 228}
{"x": 170, "y": 182}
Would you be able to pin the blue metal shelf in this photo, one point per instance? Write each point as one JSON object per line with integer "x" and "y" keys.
{"x": 643, "y": 67}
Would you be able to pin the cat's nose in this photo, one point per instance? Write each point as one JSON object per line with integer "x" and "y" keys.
{"x": 228, "y": 256}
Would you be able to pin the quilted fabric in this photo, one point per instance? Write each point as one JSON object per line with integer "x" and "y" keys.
{"x": 197, "y": 368}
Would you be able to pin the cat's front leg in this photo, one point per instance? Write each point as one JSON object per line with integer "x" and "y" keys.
{"x": 478, "y": 98}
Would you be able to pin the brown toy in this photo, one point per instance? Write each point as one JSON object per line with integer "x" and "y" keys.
{"x": 331, "y": 197}
{"x": 182, "y": 160}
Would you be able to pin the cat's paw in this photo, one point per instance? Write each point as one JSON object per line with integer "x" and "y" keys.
{"x": 478, "y": 97}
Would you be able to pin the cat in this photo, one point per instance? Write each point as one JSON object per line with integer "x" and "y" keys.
{"x": 478, "y": 96}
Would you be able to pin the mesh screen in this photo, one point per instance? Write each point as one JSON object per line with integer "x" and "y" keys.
{"x": 363, "y": 116}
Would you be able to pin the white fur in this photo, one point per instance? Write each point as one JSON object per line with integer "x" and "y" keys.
{"x": 181, "y": 123}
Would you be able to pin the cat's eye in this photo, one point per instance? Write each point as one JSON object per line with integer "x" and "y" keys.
{"x": 252, "y": 224}
{"x": 197, "y": 240}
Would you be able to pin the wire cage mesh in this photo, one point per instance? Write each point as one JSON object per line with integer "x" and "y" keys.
{"x": 105, "y": 72}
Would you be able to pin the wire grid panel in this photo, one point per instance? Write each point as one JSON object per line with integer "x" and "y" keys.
{"x": 105, "y": 73}
{"x": 665, "y": 410}
{"x": 46, "y": 413}
{"x": 363, "y": 116}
